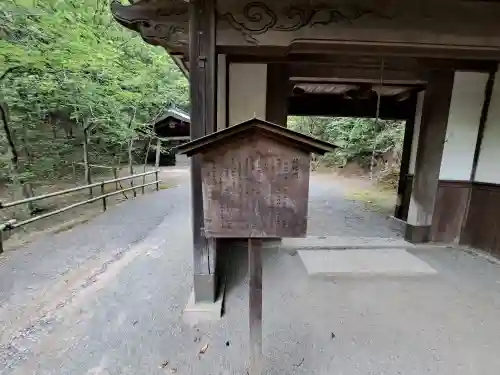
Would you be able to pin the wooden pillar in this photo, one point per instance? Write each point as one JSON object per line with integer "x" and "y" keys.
{"x": 277, "y": 93}
{"x": 222, "y": 98}
{"x": 405, "y": 161}
{"x": 202, "y": 80}
{"x": 255, "y": 305}
{"x": 429, "y": 153}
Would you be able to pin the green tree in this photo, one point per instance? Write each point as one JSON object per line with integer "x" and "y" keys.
{"x": 358, "y": 138}
{"x": 73, "y": 65}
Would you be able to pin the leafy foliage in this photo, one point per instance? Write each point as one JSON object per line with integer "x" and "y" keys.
{"x": 357, "y": 138}
{"x": 74, "y": 66}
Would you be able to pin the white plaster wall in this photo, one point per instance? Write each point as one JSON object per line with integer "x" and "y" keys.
{"x": 488, "y": 167}
{"x": 247, "y": 92}
{"x": 416, "y": 131}
{"x": 221, "y": 91}
{"x": 463, "y": 123}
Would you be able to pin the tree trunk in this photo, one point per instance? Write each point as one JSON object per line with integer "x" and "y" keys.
{"x": 130, "y": 164}
{"x": 14, "y": 160}
{"x": 119, "y": 184}
{"x": 86, "y": 166}
{"x": 27, "y": 187}
{"x": 130, "y": 146}
{"x": 146, "y": 162}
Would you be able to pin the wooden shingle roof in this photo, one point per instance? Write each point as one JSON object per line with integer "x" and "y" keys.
{"x": 267, "y": 129}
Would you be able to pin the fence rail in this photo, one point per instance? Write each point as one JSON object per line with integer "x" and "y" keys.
{"x": 13, "y": 224}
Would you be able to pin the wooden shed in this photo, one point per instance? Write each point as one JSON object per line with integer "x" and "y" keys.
{"x": 173, "y": 124}
{"x": 173, "y": 128}
{"x": 255, "y": 178}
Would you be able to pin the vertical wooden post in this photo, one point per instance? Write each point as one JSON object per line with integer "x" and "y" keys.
{"x": 88, "y": 178}
{"x": 202, "y": 80}
{"x": 73, "y": 165}
{"x": 405, "y": 160}
{"x": 158, "y": 153}
{"x": 278, "y": 87}
{"x": 432, "y": 136}
{"x": 1, "y": 239}
{"x": 255, "y": 305}
{"x": 157, "y": 162}
{"x": 115, "y": 175}
{"x": 130, "y": 164}
{"x": 488, "y": 92}
{"x": 103, "y": 198}
{"x": 8, "y": 226}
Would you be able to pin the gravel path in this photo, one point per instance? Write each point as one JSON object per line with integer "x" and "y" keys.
{"x": 331, "y": 214}
{"x": 107, "y": 297}
{"x": 45, "y": 277}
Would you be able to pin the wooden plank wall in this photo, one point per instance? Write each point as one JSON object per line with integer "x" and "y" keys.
{"x": 450, "y": 211}
{"x": 482, "y": 226}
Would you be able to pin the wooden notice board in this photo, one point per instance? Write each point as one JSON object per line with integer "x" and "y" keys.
{"x": 255, "y": 187}
{"x": 255, "y": 178}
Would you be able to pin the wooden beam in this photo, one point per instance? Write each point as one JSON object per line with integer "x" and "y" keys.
{"x": 266, "y": 54}
{"x": 338, "y": 106}
{"x": 382, "y": 49}
{"x": 203, "y": 64}
{"x": 332, "y": 73}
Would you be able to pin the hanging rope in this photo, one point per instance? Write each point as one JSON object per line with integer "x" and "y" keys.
{"x": 377, "y": 114}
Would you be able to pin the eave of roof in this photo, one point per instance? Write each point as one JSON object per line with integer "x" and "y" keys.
{"x": 175, "y": 113}
{"x": 277, "y": 132}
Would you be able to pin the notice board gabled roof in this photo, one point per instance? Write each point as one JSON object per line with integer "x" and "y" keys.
{"x": 278, "y": 133}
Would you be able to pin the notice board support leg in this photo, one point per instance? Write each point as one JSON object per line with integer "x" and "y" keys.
{"x": 255, "y": 305}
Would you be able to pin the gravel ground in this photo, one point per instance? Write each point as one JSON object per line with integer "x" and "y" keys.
{"x": 331, "y": 214}
{"x": 107, "y": 297}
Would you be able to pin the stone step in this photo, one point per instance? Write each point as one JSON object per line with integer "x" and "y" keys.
{"x": 340, "y": 242}
{"x": 363, "y": 263}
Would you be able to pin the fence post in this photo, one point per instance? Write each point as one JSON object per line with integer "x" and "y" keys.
{"x": 157, "y": 181}
{"x": 143, "y": 182}
{"x": 103, "y": 197}
{"x": 4, "y": 226}
{"x": 74, "y": 173}
{"x": 158, "y": 153}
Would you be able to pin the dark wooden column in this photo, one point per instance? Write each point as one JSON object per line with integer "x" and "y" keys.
{"x": 202, "y": 81}
{"x": 429, "y": 154}
{"x": 405, "y": 160}
{"x": 277, "y": 93}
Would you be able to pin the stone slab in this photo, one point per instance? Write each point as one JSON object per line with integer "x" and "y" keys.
{"x": 364, "y": 262}
{"x": 339, "y": 242}
{"x": 196, "y": 313}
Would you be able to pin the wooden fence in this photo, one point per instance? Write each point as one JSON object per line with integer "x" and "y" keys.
{"x": 13, "y": 224}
